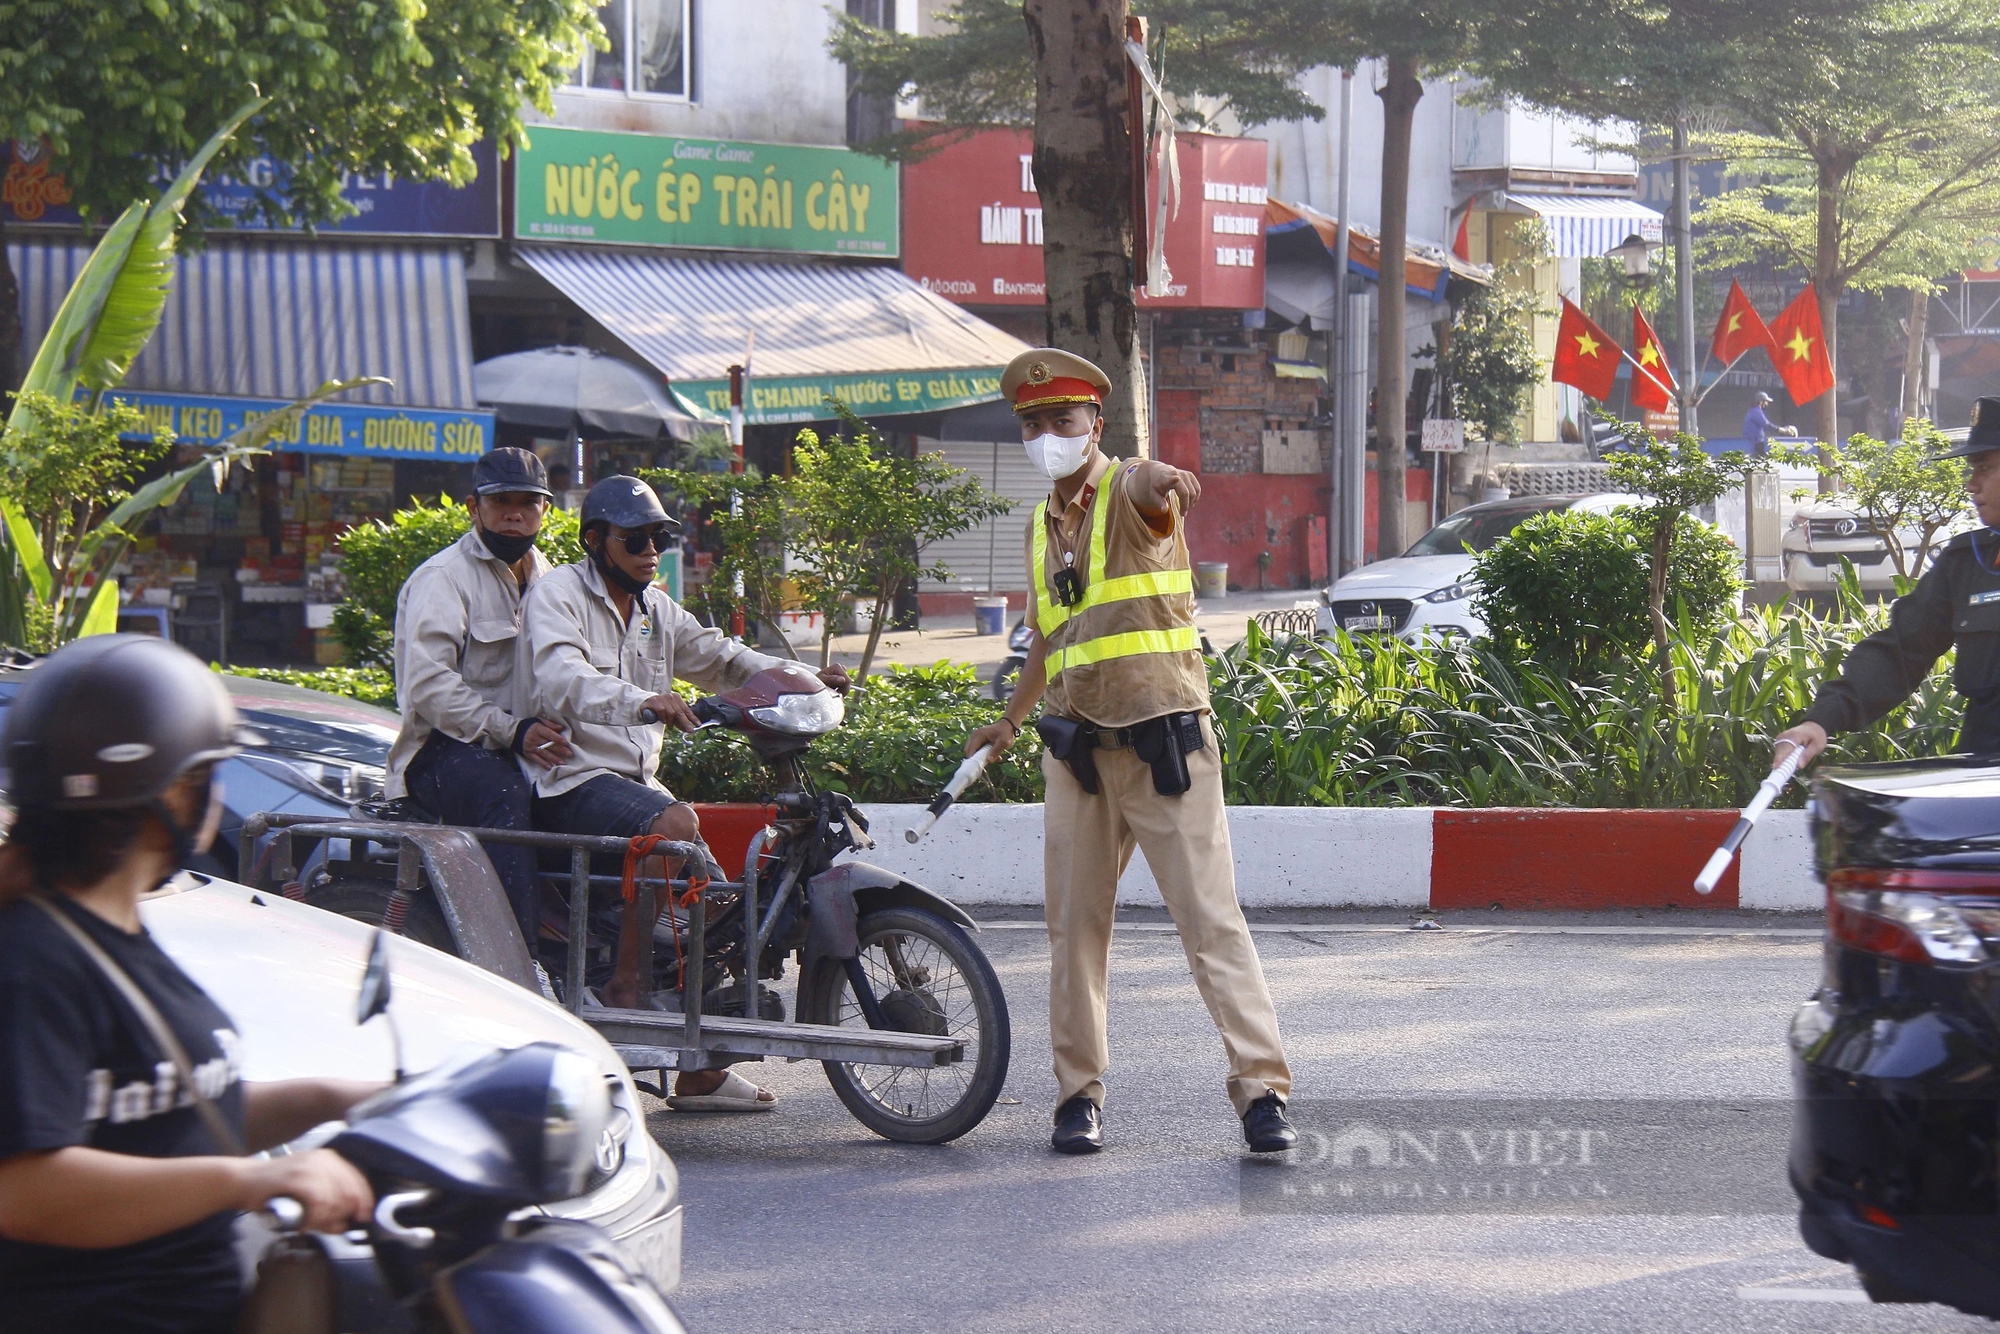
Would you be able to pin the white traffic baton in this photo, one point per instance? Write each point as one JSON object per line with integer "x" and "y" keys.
{"x": 1767, "y": 792}
{"x": 961, "y": 780}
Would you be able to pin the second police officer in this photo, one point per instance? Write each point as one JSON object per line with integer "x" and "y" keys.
{"x": 1956, "y": 602}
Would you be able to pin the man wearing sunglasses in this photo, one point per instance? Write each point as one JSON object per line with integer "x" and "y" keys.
{"x": 601, "y": 648}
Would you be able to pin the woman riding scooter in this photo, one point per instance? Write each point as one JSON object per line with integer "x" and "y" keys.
{"x": 123, "y": 1120}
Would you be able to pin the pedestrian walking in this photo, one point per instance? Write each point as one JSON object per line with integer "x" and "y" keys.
{"x": 1131, "y": 755}
{"x": 1955, "y": 603}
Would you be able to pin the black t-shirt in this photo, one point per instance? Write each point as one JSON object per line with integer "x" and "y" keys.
{"x": 77, "y": 1067}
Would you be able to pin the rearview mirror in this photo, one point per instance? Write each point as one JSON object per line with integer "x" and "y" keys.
{"x": 374, "y": 998}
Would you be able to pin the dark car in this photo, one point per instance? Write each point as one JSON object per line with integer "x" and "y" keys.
{"x": 1896, "y": 1058}
{"x": 321, "y": 754}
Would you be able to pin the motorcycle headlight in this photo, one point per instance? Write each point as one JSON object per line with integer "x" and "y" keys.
{"x": 803, "y": 715}
{"x": 574, "y": 1116}
{"x": 1463, "y": 589}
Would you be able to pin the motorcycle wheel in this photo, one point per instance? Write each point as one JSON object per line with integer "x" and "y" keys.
{"x": 364, "y": 901}
{"x": 928, "y": 977}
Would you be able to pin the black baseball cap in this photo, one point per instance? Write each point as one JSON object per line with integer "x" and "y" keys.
{"x": 1985, "y": 432}
{"x": 510, "y": 469}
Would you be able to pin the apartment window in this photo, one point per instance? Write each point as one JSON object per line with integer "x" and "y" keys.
{"x": 651, "y": 49}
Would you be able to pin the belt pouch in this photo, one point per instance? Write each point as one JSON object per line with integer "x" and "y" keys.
{"x": 1075, "y": 744}
{"x": 1157, "y": 741}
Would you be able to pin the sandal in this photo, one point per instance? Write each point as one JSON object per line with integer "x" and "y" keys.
{"x": 734, "y": 1094}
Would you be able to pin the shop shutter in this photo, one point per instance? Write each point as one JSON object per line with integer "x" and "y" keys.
{"x": 989, "y": 556}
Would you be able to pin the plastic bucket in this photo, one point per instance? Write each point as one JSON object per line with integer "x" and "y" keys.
{"x": 989, "y": 616}
{"x": 1211, "y": 578}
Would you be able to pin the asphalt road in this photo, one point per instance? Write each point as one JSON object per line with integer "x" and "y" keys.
{"x": 801, "y": 1220}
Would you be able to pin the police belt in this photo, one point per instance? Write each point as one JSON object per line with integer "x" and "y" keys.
{"x": 1164, "y": 743}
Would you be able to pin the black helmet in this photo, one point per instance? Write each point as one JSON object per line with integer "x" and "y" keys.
{"x": 111, "y": 721}
{"x": 624, "y": 502}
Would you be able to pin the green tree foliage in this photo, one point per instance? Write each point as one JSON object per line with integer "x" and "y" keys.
{"x": 903, "y": 737}
{"x": 377, "y": 557}
{"x": 123, "y": 90}
{"x": 978, "y": 68}
{"x": 69, "y": 466}
{"x": 748, "y": 539}
{"x": 1876, "y": 170}
{"x": 860, "y": 516}
{"x": 1903, "y": 487}
{"x": 1568, "y": 588}
{"x": 1676, "y": 476}
{"x": 1377, "y": 722}
{"x": 1489, "y": 364}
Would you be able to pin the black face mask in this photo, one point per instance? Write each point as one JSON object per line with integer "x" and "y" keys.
{"x": 614, "y": 576}
{"x": 507, "y": 546}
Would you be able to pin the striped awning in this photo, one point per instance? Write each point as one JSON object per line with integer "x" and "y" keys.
{"x": 862, "y": 333}
{"x": 1586, "y": 226}
{"x": 276, "y": 320}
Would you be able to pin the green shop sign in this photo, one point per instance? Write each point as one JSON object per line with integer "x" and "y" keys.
{"x": 803, "y": 398}
{"x": 646, "y": 189}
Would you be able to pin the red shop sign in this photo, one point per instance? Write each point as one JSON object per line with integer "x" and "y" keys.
{"x": 972, "y": 223}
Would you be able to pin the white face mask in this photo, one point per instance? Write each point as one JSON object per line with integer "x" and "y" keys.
{"x": 1057, "y": 456}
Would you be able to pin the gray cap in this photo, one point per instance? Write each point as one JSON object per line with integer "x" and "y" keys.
{"x": 510, "y": 469}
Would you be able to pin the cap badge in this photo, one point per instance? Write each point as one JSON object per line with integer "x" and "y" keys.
{"x": 1977, "y": 404}
{"x": 1038, "y": 372}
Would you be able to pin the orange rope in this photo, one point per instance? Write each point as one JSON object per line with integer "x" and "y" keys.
{"x": 636, "y": 851}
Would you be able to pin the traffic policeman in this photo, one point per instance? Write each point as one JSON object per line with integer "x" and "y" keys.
{"x": 1957, "y": 601}
{"x": 1131, "y": 757}
{"x": 465, "y": 712}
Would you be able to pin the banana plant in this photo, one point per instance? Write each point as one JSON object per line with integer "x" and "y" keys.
{"x": 107, "y": 318}
{"x": 105, "y": 321}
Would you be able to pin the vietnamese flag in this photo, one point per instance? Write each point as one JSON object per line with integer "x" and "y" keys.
{"x": 1739, "y": 329}
{"x": 1652, "y": 379}
{"x": 1585, "y": 355}
{"x": 1798, "y": 349}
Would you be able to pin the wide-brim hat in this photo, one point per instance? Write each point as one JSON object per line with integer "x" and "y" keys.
{"x": 1045, "y": 377}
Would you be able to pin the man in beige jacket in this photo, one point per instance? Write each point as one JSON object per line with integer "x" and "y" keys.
{"x": 456, "y": 620}
{"x": 600, "y": 649}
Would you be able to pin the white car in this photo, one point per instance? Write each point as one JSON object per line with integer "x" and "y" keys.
{"x": 288, "y": 975}
{"x": 1825, "y": 531}
{"x": 1428, "y": 589}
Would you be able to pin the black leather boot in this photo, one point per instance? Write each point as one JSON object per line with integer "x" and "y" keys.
{"x": 1079, "y": 1127}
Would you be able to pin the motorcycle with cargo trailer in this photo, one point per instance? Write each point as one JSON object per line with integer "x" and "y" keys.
{"x": 893, "y": 994}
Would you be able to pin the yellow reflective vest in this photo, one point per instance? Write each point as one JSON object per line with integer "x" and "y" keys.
{"x": 1129, "y": 650}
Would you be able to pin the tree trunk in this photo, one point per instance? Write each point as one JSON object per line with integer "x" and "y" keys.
{"x": 1400, "y": 94}
{"x": 884, "y": 598}
{"x": 1914, "y": 365}
{"x": 10, "y": 326}
{"x": 1656, "y": 603}
{"x": 1828, "y": 282}
{"x": 1083, "y": 171}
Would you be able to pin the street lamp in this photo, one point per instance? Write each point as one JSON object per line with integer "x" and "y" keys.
{"x": 1637, "y": 257}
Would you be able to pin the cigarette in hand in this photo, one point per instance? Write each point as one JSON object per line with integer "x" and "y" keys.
{"x": 545, "y": 745}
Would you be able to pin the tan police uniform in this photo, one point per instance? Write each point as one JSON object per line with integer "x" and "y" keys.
{"x": 1127, "y": 653}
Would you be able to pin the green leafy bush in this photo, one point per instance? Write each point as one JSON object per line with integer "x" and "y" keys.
{"x": 1380, "y": 722}
{"x": 377, "y": 557}
{"x": 905, "y": 733}
{"x": 370, "y": 685}
{"x": 1568, "y": 588}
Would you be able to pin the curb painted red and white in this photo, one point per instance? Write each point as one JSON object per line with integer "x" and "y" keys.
{"x": 1332, "y": 857}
